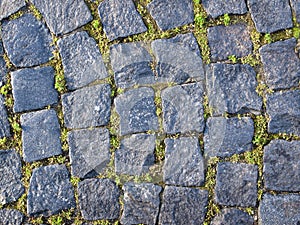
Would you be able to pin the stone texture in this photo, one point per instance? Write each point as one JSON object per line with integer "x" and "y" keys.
{"x": 232, "y": 216}
{"x": 171, "y": 14}
{"x": 224, "y": 137}
{"x": 225, "y": 41}
{"x": 141, "y": 203}
{"x": 231, "y": 89}
{"x": 184, "y": 164}
{"x": 82, "y": 60}
{"x": 296, "y": 7}
{"x": 3, "y": 71}
{"x": 99, "y": 199}
{"x": 135, "y": 155}
{"x": 27, "y": 41}
{"x": 236, "y": 184}
{"x": 216, "y": 8}
{"x": 8, "y": 7}
{"x": 281, "y": 64}
{"x": 120, "y": 19}
{"x": 72, "y": 14}
{"x": 40, "y": 135}
{"x": 137, "y": 111}
{"x": 87, "y": 107}
{"x": 11, "y": 217}
{"x": 4, "y": 123}
{"x": 89, "y": 151}
{"x": 181, "y": 205}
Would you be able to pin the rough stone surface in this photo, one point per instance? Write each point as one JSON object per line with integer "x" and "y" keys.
{"x": 135, "y": 155}
{"x": 1, "y": 48}
{"x": 87, "y": 107}
{"x": 27, "y": 41}
{"x": 181, "y": 205}
{"x": 231, "y": 216}
{"x": 225, "y": 41}
{"x": 8, "y": 7}
{"x": 40, "y": 135}
{"x": 89, "y": 151}
{"x": 231, "y": 89}
{"x": 281, "y": 64}
{"x": 216, "y": 8}
{"x": 225, "y": 137}
{"x": 4, "y": 123}
{"x": 236, "y": 184}
{"x": 120, "y": 19}
{"x": 99, "y": 199}
{"x": 183, "y": 162}
{"x": 141, "y": 203}
{"x": 11, "y": 217}
{"x": 296, "y": 7}
{"x": 3, "y": 71}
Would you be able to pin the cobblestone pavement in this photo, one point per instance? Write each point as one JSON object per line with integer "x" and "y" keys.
{"x": 150, "y": 112}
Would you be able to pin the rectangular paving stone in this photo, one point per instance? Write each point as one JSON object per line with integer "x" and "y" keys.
{"x": 8, "y": 7}
{"x": 232, "y": 216}
{"x": 11, "y": 217}
{"x": 4, "y": 123}
{"x": 216, "y": 8}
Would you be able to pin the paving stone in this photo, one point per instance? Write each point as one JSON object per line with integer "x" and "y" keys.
{"x": 3, "y": 71}
{"x": 270, "y": 16}
{"x": 27, "y": 41}
{"x": 50, "y": 191}
{"x": 137, "y": 111}
{"x": 225, "y": 41}
{"x": 296, "y": 7}
{"x": 224, "y": 137}
{"x": 4, "y": 123}
{"x": 284, "y": 111}
{"x": 231, "y": 216}
{"x": 99, "y": 199}
{"x": 136, "y": 154}
{"x": 1, "y": 47}
{"x": 281, "y": 64}
{"x": 281, "y": 165}
{"x": 8, "y": 7}
{"x": 141, "y": 203}
{"x": 216, "y": 8}
{"x": 279, "y": 209}
{"x": 11, "y": 217}
{"x": 181, "y": 204}
{"x": 84, "y": 68}
{"x": 131, "y": 64}
{"x": 87, "y": 107}
{"x": 89, "y": 151}
{"x": 181, "y": 62}
{"x": 33, "y": 88}
{"x": 236, "y": 184}
{"x": 231, "y": 89}
{"x": 184, "y": 164}
{"x": 72, "y": 14}
{"x": 120, "y": 19}
{"x": 40, "y": 135}
{"x": 11, "y": 187}
{"x": 182, "y": 108}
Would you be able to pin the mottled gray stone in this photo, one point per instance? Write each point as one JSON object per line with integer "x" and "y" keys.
{"x": 231, "y": 216}
{"x": 184, "y": 164}
{"x": 72, "y": 14}
{"x": 281, "y": 64}
{"x": 236, "y": 184}
{"x": 232, "y": 89}
{"x": 137, "y": 111}
{"x": 141, "y": 203}
{"x": 8, "y": 7}
{"x": 296, "y": 7}
{"x": 27, "y": 41}
{"x": 33, "y": 88}
{"x": 11, "y": 217}
{"x": 181, "y": 205}
{"x": 3, "y": 71}
{"x": 225, "y": 41}
{"x": 171, "y": 14}
{"x": 82, "y": 60}
{"x": 1, "y": 47}
{"x": 135, "y": 155}
{"x": 182, "y": 108}
{"x": 279, "y": 209}
{"x": 87, "y": 107}
{"x": 216, "y": 8}
{"x": 40, "y": 135}
{"x": 284, "y": 111}
{"x": 4, "y": 123}
{"x": 99, "y": 199}
{"x": 224, "y": 137}
{"x": 120, "y": 19}
{"x": 11, "y": 187}
{"x": 270, "y": 16}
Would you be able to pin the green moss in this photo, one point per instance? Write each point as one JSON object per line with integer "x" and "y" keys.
{"x": 232, "y": 58}
{"x": 35, "y": 12}
{"x": 226, "y": 19}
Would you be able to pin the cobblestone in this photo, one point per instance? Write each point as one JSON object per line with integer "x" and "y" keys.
{"x": 11, "y": 217}
{"x": 8, "y": 7}
{"x": 5, "y": 127}
{"x": 232, "y": 216}
{"x": 217, "y": 8}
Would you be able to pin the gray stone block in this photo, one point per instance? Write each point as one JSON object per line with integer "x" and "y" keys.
{"x": 4, "y": 123}
{"x": 11, "y": 217}
{"x": 216, "y": 8}
{"x": 296, "y": 7}
{"x": 1, "y": 48}
{"x": 232, "y": 216}
{"x": 8, "y": 7}
{"x": 3, "y": 71}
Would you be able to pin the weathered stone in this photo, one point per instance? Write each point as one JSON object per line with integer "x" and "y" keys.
{"x": 27, "y": 41}
{"x": 281, "y": 64}
{"x": 141, "y": 203}
{"x": 184, "y": 164}
{"x": 40, "y": 135}
{"x": 236, "y": 184}
{"x": 296, "y": 7}
{"x": 99, "y": 199}
{"x": 231, "y": 89}
{"x": 87, "y": 107}
{"x": 120, "y": 19}
{"x": 231, "y": 216}
{"x": 11, "y": 217}
{"x": 4, "y": 124}
{"x": 225, "y": 137}
{"x": 216, "y": 8}
{"x": 8, "y": 7}
{"x": 181, "y": 205}
{"x": 3, "y": 71}
{"x": 1, "y": 47}
{"x": 135, "y": 155}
